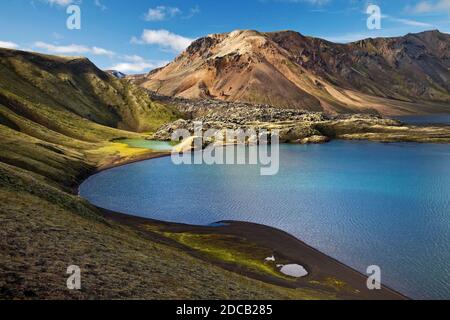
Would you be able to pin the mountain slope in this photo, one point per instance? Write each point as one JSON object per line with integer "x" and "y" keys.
{"x": 390, "y": 76}
{"x": 58, "y": 114}
{"x": 54, "y": 114}
{"x": 48, "y": 144}
{"x": 60, "y": 91}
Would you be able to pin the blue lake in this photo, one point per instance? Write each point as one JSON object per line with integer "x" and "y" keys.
{"x": 362, "y": 203}
{"x": 438, "y": 119}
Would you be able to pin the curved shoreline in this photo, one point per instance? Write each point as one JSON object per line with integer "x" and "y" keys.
{"x": 277, "y": 240}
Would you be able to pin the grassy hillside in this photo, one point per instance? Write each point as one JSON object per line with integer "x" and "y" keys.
{"x": 59, "y": 118}
{"x": 58, "y": 114}
{"x": 61, "y": 92}
{"x": 45, "y": 230}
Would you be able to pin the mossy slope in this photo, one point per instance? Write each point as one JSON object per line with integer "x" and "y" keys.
{"x": 61, "y": 91}
{"x": 59, "y": 120}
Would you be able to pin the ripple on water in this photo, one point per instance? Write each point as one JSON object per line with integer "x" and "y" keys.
{"x": 361, "y": 203}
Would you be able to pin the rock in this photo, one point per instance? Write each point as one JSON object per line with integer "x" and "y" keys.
{"x": 293, "y": 270}
{"x": 314, "y": 140}
{"x": 297, "y": 133}
{"x": 294, "y": 126}
{"x": 165, "y": 132}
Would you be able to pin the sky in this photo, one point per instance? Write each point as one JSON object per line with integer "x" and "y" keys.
{"x": 135, "y": 36}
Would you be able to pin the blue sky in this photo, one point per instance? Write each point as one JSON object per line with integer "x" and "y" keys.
{"x": 138, "y": 35}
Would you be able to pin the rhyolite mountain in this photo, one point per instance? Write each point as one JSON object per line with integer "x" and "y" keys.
{"x": 391, "y": 76}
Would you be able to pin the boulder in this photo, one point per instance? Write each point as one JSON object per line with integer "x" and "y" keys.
{"x": 314, "y": 140}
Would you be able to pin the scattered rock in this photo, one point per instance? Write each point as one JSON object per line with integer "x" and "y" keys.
{"x": 293, "y": 125}
{"x": 314, "y": 140}
{"x": 293, "y": 270}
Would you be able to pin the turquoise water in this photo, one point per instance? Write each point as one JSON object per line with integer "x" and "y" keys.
{"x": 360, "y": 202}
{"x": 440, "y": 119}
{"x": 148, "y": 144}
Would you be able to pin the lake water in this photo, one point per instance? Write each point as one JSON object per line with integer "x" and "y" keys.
{"x": 439, "y": 119}
{"x": 362, "y": 203}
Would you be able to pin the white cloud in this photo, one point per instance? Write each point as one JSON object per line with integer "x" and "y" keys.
{"x": 352, "y": 37}
{"x": 161, "y": 13}
{"x": 100, "y": 5}
{"x": 408, "y": 22}
{"x": 137, "y": 67}
{"x": 192, "y": 12}
{"x": 436, "y": 6}
{"x": 164, "y": 39}
{"x": 134, "y": 58}
{"x": 73, "y": 49}
{"x": 412, "y": 23}
{"x": 137, "y": 64}
{"x": 60, "y": 3}
{"x": 101, "y": 52}
{"x": 8, "y": 44}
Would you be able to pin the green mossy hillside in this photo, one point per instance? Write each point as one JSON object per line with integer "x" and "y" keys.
{"x": 60, "y": 120}
{"x": 52, "y": 90}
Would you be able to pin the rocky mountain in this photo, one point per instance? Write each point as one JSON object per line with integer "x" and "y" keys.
{"x": 116, "y": 73}
{"x": 390, "y": 76}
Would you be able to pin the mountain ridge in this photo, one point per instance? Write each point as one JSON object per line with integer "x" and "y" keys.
{"x": 389, "y": 76}
{"x": 47, "y": 88}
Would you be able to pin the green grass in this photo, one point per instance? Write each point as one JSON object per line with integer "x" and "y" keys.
{"x": 45, "y": 230}
{"x": 60, "y": 119}
{"x": 58, "y": 116}
{"x": 149, "y": 144}
{"x": 56, "y": 90}
{"x": 230, "y": 249}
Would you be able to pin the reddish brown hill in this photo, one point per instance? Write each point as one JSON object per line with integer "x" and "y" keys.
{"x": 400, "y": 75}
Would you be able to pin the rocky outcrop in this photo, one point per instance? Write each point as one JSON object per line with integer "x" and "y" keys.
{"x": 294, "y": 126}
{"x": 314, "y": 140}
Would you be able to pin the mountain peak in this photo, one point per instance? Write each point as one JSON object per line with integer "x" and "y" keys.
{"x": 116, "y": 73}
{"x": 434, "y": 31}
{"x": 289, "y": 70}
